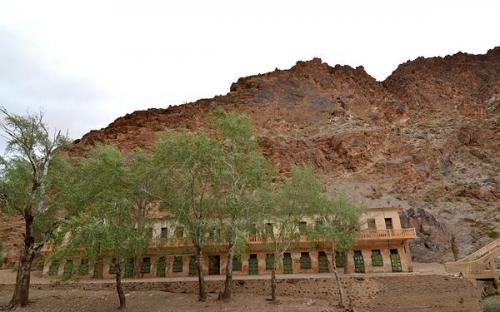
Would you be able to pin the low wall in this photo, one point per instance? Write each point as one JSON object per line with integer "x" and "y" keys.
{"x": 367, "y": 293}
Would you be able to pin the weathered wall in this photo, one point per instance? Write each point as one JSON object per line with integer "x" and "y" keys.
{"x": 367, "y": 293}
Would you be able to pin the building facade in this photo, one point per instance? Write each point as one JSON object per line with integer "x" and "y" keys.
{"x": 382, "y": 245}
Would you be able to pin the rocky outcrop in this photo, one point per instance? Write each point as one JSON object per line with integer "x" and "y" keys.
{"x": 426, "y": 139}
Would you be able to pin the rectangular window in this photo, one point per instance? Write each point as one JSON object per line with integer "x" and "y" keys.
{"x": 305, "y": 261}
{"x": 164, "y": 233}
{"x": 377, "y": 258}
{"x": 388, "y": 223}
{"x": 371, "y": 224}
{"x": 178, "y": 264}
{"x": 179, "y": 232}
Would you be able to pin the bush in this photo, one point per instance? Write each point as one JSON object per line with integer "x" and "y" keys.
{"x": 492, "y": 234}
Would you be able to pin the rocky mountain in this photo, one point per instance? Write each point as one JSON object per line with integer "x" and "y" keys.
{"x": 426, "y": 139}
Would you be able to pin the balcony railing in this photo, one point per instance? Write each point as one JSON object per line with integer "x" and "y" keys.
{"x": 256, "y": 239}
{"x": 387, "y": 234}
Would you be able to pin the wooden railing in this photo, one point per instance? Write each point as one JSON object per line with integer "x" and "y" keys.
{"x": 387, "y": 234}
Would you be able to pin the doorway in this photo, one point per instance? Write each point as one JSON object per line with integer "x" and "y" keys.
{"x": 396, "y": 261}
{"x": 359, "y": 262}
{"x": 214, "y": 265}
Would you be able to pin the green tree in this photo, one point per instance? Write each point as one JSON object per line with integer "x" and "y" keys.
{"x": 25, "y": 174}
{"x": 337, "y": 222}
{"x": 139, "y": 169}
{"x": 285, "y": 209}
{"x": 187, "y": 173}
{"x": 245, "y": 173}
{"x": 99, "y": 194}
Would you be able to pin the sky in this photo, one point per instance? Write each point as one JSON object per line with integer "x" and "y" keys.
{"x": 86, "y": 63}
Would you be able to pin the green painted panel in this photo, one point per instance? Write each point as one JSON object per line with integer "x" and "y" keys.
{"x": 161, "y": 267}
{"x": 68, "y": 269}
{"x": 396, "y": 261}
{"x": 305, "y": 261}
{"x": 287, "y": 263}
{"x": 54, "y": 268}
{"x": 83, "y": 268}
{"x": 359, "y": 262}
{"x": 193, "y": 270}
{"x": 323, "y": 263}
{"x": 178, "y": 263}
{"x": 253, "y": 265}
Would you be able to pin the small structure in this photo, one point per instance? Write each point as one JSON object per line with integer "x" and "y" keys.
{"x": 484, "y": 264}
{"x": 381, "y": 246}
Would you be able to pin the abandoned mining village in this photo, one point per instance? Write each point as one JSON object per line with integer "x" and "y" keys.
{"x": 306, "y": 185}
{"x": 410, "y": 150}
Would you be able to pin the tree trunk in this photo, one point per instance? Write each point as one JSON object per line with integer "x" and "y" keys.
{"x": 273, "y": 282}
{"x": 226, "y": 296}
{"x": 22, "y": 289}
{"x": 337, "y": 278}
{"x": 202, "y": 293}
{"x": 119, "y": 286}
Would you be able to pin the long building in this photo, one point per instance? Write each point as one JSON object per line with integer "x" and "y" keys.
{"x": 382, "y": 245}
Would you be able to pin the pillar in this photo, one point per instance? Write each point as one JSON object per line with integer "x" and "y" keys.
{"x": 314, "y": 261}
{"x": 223, "y": 263}
{"x": 152, "y": 269}
{"x": 409, "y": 261}
{"x": 261, "y": 258}
{"x": 295, "y": 262}
{"x": 349, "y": 262}
{"x": 386, "y": 256}
{"x": 367, "y": 258}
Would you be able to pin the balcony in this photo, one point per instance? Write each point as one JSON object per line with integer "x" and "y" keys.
{"x": 387, "y": 234}
{"x": 364, "y": 235}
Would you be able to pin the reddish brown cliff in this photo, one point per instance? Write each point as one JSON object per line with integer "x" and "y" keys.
{"x": 427, "y": 138}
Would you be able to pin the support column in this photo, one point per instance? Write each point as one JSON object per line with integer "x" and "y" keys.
{"x": 185, "y": 265}
{"x": 261, "y": 258}
{"x": 223, "y": 263}
{"x": 46, "y": 267}
{"x": 170, "y": 266}
{"x": 105, "y": 268}
{"x": 349, "y": 262}
{"x": 295, "y": 262}
{"x": 314, "y": 261}
{"x": 244, "y": 263}
{"x": 367, "y": 258}
{"x": 60, "y": 270}
{"x": 408, "y": 256}
{"x": 330, "y": 263}
{"x": 386, "y": 256}
{"x": 152, "y": 269}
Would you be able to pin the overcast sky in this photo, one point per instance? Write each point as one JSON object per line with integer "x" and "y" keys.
{"x": 85, "y": 63}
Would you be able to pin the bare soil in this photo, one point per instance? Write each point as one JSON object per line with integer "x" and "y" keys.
{"x": 151, "y": 301}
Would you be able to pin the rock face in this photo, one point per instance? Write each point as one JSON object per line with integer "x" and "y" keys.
{"x": 426, "y": 139}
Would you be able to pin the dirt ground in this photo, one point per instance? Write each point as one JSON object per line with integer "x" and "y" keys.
{"x": 151, "y": 301}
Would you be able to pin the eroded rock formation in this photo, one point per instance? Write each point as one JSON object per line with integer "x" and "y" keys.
{"x": 427, "y": 138}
